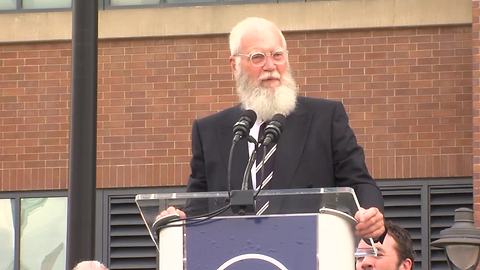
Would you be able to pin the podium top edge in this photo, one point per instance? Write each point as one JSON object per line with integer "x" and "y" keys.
{"x": 224, "y": 194}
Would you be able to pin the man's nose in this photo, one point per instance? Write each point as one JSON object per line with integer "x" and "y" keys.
{"x": 269, "y": 64}
{"x": 368, "y": 263}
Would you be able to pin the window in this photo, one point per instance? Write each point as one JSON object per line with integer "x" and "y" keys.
{"x": 43, "y": 231}
{"x": 7, "y": 234}
{"x": 133, "y": 2}
{"x": 33, "y": 231}
{"x": 39, "y": 5}
{"x": 189, "y": 1}
{"x": 46, "y": 4}
{"x": 8, "y": 4}
{"x": 19, "y": 5}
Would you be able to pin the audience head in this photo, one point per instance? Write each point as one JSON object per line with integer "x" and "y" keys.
{"x": 90, "y": 265}
{"x": 395, "y": 253}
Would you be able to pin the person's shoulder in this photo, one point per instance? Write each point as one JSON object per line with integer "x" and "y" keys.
{"x": 220, "y": 116}
{"x": 311, "y": 103}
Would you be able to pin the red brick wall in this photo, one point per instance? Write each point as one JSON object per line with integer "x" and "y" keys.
{"x": 34, "y": 115}
{"x": 408, "y": 93}
{"x": 476, "y": 106}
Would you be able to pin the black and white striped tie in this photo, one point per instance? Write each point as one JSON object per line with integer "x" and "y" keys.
{"x": 264, "y": 167}
{"x": 264, "y": 164}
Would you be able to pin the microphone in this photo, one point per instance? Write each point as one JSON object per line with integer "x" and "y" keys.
{"x": 243, "y": 125}
{"x": 274, "y": 129}
{"x": 241, "y": 201}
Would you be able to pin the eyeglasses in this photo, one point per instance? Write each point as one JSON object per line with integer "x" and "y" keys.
{"x": 259, "y": 59}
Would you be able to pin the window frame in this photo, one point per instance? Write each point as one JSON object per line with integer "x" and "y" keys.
{"x": 106, "y": 5}
{"x": 16, "y": 198}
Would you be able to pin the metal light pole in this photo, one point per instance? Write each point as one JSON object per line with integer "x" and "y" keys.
{"x": 83, "y": 135}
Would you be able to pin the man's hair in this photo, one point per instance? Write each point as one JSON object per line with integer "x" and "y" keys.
{"x": 246, "y": 25}
{"x": 404, "y": 244}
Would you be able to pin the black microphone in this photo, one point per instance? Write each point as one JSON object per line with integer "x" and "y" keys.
{"x": 274, "y": 129}
{"x": 241, "y": 201}
{"x": 244, "y": 124}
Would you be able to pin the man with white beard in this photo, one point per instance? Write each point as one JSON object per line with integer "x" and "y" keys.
{"x": 317, "y": 147}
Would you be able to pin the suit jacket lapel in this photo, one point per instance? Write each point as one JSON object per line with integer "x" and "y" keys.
{"x": 290, "y": 148}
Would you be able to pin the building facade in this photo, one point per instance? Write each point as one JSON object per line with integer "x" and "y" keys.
{"x": 407, "y": 72}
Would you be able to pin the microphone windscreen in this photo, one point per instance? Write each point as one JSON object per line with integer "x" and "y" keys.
{"x": 251, "y": 115}
{"x": 280, "y": 118}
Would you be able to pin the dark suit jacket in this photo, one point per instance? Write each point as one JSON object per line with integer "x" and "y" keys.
{"x": 317, "y": 148}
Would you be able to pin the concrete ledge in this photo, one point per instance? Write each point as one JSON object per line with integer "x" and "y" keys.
{"x": 201, "y": 20}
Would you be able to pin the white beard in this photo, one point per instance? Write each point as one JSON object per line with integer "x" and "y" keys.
{"x": 264, "y": 101}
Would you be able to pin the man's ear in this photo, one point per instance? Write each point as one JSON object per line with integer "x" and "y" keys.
{"x": 407, "y": 264}
{"x": 233, "y": 65}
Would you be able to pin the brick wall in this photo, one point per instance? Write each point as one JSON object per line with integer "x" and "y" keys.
{"x": 34, "y": 114}
{"x": 408, "y": 93}
{"x": 476, "y": 105}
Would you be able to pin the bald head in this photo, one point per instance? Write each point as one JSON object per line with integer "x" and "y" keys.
{"x": 90, "y": 265}
{"x": 248, "y": 26}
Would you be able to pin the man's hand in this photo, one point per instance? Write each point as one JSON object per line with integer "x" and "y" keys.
{"x": 172, "y": 210}
{"x": 370, "y": 223}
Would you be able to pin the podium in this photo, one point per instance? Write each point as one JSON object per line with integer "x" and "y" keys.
{"x": 288, "y": 229}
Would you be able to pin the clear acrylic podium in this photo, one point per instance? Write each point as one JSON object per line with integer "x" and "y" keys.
{"x": 297, "y": 229}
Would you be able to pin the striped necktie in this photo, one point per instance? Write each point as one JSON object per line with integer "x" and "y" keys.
{"x": 264, "y": 161}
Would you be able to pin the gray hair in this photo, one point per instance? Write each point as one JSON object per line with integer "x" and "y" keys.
{"x": 244, "y": 26}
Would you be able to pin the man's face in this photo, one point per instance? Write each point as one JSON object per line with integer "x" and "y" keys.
{"x": 264, "y": 83}
{"x": 387, "y": 258}
{"x": 268, "y": 74}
